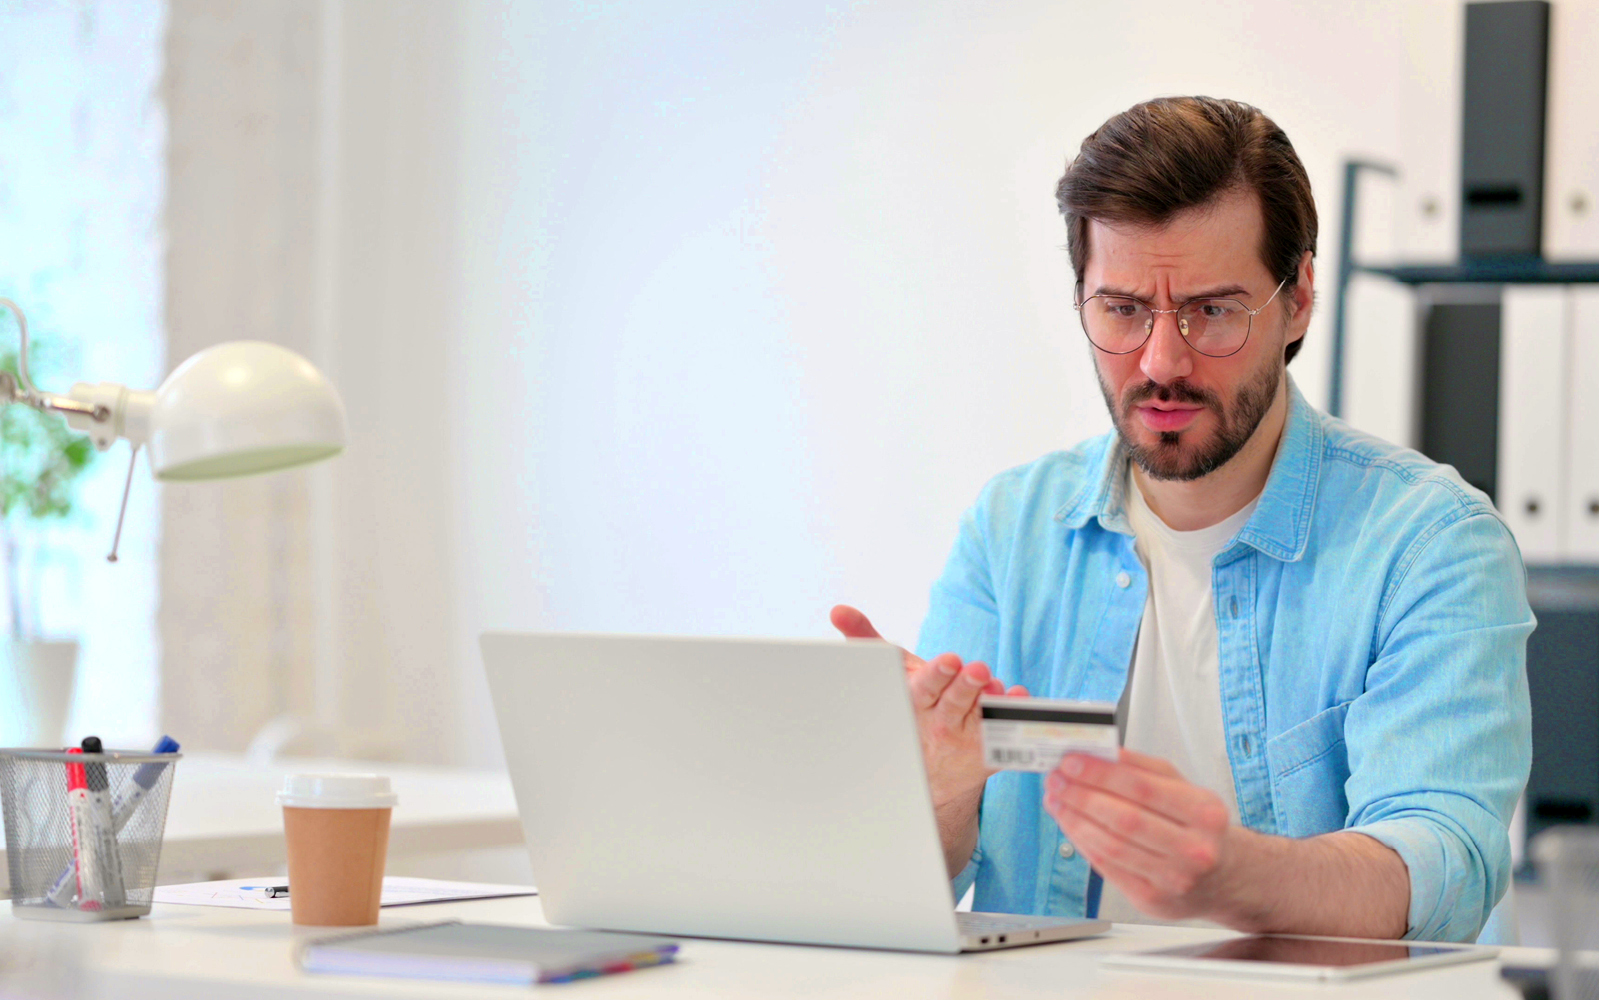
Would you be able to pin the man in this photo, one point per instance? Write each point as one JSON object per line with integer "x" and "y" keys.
{"x": 1316, "y": 638}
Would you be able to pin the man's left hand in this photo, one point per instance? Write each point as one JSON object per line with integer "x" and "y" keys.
{"x": 1161, "y": 840}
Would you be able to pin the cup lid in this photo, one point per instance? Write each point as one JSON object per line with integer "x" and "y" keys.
{"x": 336, "y": 791}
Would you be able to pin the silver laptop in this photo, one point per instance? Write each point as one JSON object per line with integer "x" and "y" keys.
{"x": 732, "y": 788}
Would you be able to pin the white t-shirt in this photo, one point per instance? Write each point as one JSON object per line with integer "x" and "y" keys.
{"x": 1172, "y": 706}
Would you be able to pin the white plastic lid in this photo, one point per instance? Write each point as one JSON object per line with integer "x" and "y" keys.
{"x": 336, "y": 791}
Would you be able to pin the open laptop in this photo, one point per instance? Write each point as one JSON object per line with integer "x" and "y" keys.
{"x": 732, "y": 788}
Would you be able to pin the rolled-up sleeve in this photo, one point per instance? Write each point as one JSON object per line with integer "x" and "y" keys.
{"x": 1440, "y": 739}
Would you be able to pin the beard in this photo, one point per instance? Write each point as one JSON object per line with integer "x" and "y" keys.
{"x": 1178, "y": 455}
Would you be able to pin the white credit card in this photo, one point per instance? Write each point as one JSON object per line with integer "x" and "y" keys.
{"x": 1032, "y": 734}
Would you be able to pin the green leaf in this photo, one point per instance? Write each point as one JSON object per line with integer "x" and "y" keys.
{"x": 41, "y": 458}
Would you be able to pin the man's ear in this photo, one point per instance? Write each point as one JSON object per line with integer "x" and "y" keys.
{"x": 1303, "y": 298}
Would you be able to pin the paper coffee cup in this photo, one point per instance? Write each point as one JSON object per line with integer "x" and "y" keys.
{"x": 336, "y": 827}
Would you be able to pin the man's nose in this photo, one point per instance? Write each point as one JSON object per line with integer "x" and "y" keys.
{"x": 1166, "y": 355}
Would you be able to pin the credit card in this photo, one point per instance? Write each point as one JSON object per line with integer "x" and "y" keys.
{"x": 1032, "y": 734}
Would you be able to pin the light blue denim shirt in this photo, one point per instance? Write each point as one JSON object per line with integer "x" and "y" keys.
{"x": 1372, "y": 622}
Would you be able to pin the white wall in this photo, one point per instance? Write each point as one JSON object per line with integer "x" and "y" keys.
{"x": 773, "y": 293}
{"x": 701, "y": 318}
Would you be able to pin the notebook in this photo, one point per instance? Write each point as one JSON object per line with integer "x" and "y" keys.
{"x": 485, "y": 953}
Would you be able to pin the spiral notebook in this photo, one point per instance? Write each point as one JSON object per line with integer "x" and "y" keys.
{"x": 486, "y": 953}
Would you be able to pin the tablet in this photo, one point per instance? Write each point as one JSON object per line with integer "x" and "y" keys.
{"x": 1284, "y": 956}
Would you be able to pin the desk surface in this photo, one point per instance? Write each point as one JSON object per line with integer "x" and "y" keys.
{"x": 181, "y": 951}
{"x": 223, "y": 816}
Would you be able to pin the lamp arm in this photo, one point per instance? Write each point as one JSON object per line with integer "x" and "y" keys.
{"x": 64, "y": 404}
{"x": 22, "y": 355}
{"x": 20, "y": 388}
{"x": 105, "y": 412}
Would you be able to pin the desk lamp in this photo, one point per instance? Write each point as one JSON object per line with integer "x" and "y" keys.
{"x": 233, "y": 409}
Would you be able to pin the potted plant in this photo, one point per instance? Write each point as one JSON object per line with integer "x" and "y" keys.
{"x": 40, "y": 462}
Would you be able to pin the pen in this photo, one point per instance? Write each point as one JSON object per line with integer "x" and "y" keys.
{"x": 144, "y": 779}
{"x": 269, "y": 891}
{"x": 82, "y": 840}
{"x": 101, "y": 830}
{"x": 122, "y": 809}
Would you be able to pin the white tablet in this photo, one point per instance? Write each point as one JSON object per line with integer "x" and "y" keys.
{"x": 1283, "y": 956}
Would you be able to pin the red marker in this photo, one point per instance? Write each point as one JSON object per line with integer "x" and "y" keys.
{"x": 78, "y": 812}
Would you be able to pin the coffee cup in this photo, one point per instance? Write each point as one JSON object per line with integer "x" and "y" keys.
{"x": 337, "y": 830}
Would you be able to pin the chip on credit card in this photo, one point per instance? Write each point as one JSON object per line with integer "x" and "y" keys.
{"x": 1032, "y": 734}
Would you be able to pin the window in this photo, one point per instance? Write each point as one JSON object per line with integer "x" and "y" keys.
{"x": 82, "y": 176}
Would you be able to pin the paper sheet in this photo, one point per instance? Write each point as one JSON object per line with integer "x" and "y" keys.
{"x": 397, "y": 891}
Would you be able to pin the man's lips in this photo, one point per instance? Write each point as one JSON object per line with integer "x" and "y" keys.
{"x": 1165, "y": 417}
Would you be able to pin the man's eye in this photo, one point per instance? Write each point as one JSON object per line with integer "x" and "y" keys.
{"x": 1122, "y": 310}
{"x": 1216, "y": 310}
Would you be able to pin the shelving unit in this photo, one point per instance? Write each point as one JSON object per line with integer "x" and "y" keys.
{"x": 1512, "y": 404}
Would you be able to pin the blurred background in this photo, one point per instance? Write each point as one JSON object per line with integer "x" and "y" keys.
{"x": 691, "y": 318}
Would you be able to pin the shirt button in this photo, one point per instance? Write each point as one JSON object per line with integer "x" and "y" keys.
{"x": 1123, "y": 579}
{"x": 1067, "y": 850}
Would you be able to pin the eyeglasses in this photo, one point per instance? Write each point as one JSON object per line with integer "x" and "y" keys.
{"x": 1119, "y": 324}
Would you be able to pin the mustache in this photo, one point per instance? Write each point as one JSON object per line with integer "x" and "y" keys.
{"x": 1172, "y": 392}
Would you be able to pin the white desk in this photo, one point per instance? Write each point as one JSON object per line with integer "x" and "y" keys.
{"x": 223, "y": 817}
{"x": 194, "y": 951}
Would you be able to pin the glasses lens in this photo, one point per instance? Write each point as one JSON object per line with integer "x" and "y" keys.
{"x": 1114, "y": 324}
{"x": 1217, "y": 327}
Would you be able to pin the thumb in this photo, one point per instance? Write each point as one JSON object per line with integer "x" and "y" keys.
{"x": 851, "y": 623}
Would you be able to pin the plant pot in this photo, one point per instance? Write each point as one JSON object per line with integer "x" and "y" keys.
{"x": 37, "y": 679}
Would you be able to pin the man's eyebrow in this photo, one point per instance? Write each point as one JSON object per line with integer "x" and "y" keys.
{"x": 1219, "y": 292}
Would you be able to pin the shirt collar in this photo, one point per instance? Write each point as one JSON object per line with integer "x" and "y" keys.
{"x": 1281, "y": 524}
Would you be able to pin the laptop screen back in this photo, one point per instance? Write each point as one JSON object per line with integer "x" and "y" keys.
{"x": 765, "y": 790}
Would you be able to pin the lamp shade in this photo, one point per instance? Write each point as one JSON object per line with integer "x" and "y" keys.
{"x": 241, "y": 408}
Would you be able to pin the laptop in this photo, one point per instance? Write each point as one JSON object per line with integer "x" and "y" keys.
{"x": 732, "y": 788}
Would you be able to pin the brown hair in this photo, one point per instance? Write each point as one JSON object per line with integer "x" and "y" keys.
{"x": 1173, "y": 153}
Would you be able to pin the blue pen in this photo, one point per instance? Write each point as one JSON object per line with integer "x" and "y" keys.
{"x": 122, "y": 810}
{"x": 144, "y": 779}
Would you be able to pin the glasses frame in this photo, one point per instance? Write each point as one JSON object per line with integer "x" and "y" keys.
{"x": 1154, "y": 312}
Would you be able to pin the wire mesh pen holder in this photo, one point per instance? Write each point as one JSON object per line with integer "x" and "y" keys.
{"x": 83, "y": 831}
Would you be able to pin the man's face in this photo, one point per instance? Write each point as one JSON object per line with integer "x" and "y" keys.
{"x": 1183, "y": 414}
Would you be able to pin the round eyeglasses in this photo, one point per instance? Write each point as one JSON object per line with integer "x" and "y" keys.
{"x": 1120, "y": 324}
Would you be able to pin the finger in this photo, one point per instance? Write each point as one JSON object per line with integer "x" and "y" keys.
{"x": 1149, "y": 763}
{"x": 998, "y": 687}
{"x": 961, "y": 696}
{"x": 1170, "y": 796}
{"x": 1141, "y": 892}
{"x": 1128, "y": 865}
{"x": 852, "y": 623}
{"x": 1101, "y": 845}
{"x": 929, "y": 682}
{"x": 1188, "y": 847}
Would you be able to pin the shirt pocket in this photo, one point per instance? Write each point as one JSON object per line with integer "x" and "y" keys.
{"x": 1309, "y": 768}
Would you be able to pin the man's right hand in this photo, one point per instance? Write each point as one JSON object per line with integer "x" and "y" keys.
{"x": 944, "y": 693}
